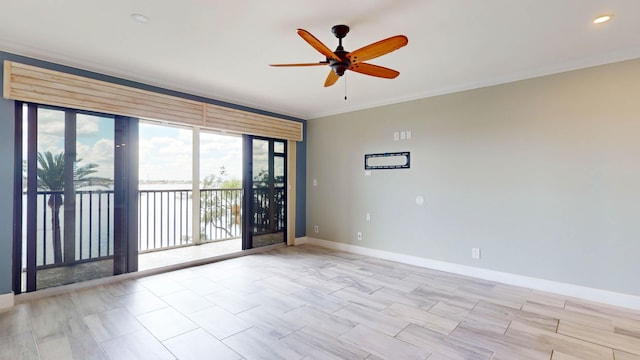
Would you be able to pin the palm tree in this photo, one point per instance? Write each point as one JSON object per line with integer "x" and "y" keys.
{"x": 51, "y": 178}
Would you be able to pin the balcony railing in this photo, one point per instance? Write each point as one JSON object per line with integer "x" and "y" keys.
{"x": 164, "y": 221}
{"x": 267, "y": 218}
{"x": 93, "y": 232}
{"x": 220, "y": 214}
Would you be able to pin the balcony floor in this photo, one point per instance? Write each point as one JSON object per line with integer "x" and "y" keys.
{"x": 156, "y": 259}
{"x": 103, "y": 268}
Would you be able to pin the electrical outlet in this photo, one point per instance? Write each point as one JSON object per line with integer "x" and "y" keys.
{"x": 315, "y": 229}
{"x": 475, "y": 253}
{"x": 359, "y": 235}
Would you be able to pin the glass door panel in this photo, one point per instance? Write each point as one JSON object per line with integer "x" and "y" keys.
{"x": 93, "y": 190}
{"x": 260, "y": 187}
{"x": 279, "y": 193}
{"x": 50, "y": 186}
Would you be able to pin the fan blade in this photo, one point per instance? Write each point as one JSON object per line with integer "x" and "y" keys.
{"x": 331, "y": 79}
{"x": 374, "y": 70}
{"x": 302, "y": 64}
{"x": 379, "y": 48}
{"x": 317, "y": 44}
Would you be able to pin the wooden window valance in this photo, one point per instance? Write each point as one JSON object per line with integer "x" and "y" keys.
{"x": 34, "y": 84}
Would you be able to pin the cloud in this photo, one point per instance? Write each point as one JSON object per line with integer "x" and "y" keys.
{"x": 166, "y": 153}
{"x": 51, "y": 129}
{"x": 88, "y": 125}
{"x": 52, "y": 143}
{"x": 101, "y": 154}
{"x": 218, "y": 150}
{"x": 52, "y": 122}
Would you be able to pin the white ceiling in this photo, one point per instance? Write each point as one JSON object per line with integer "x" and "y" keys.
{"x": 221, "y": 49}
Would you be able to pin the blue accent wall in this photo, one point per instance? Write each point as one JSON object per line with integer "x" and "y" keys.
{"x": 7, "y": 144}
{"x": 6, "y": 191}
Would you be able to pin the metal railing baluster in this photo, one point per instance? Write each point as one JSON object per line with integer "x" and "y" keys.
{"x": 44, "y": 227}
{"x": 109, "y": 224}
{"x": 99, "y": 224}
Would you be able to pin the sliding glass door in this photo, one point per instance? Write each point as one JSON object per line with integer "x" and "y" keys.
{"x": 266, "y": 196}
{"x": 80, "y": 202}
{"x": 73, "y": 191}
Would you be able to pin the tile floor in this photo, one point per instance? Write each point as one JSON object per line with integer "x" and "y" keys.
{"x": 307, "y": 302}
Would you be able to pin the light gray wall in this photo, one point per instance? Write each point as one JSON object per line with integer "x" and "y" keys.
{"x": 543, "y": 175}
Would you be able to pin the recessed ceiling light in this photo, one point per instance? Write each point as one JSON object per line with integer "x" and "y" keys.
{"x": 140, "y": 18}
{"x": 602, "y": 18}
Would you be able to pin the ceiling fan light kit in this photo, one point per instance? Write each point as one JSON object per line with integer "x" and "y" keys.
{"x": 341, "y": 60}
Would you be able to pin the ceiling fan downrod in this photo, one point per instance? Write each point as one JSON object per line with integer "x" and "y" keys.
{"x": 340, "y": 65}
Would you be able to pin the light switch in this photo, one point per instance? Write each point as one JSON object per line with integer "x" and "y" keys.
{"x": 408, "y": 134}
{"x": 315, "y": 182}
{"x": 396, "y": 136}
{"x": 403, "y": 135}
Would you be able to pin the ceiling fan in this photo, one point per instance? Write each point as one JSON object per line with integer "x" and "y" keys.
{"x": 341, "y": 60}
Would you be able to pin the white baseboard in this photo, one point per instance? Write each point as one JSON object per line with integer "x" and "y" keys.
{"x": 300, "y": 241}
{"x": 582, "y": 292}
{"x": 6, "y": 301}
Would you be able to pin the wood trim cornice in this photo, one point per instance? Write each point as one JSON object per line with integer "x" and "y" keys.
{"x": 49, "y": 87}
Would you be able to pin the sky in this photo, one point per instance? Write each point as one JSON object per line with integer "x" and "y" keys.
{"x": 165, "y": 152}
{"x": 94, "y": 138}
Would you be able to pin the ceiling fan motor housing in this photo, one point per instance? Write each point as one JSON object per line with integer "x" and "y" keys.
{"x": 340, "y": 66}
